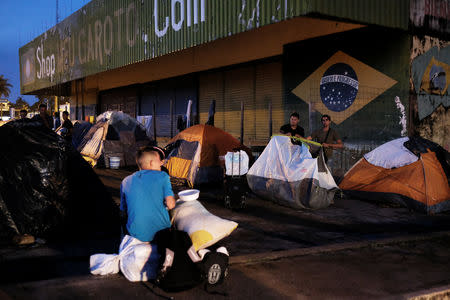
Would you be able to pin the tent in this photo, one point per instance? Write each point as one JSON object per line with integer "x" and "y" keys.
{"x": 115, "y": 134}
{"x": 47, "y": 189}
{"x": 80, "y": 129}
{"x": 193, "y": 154}
{"x": 287, "y": 174}
{"x": 409, "y": 171}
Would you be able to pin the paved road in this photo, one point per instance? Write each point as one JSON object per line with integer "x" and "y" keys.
{"x": 339, "y": 252}
{"x": 388, "y": 271}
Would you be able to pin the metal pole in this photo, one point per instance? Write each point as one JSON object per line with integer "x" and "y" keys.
{"x": 242, "y": 122}
{"x": 76, "y": 99}
{"x": 82, "y": 100}
{"x": 270, "y": 119}
{"x": 154, "y": 121}
{"x": 171, "y": 118}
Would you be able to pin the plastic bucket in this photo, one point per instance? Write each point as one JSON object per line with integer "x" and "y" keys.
{"x": 114, "y": 162}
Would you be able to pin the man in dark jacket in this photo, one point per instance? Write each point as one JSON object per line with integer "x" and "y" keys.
{"x": 44, "y": 117}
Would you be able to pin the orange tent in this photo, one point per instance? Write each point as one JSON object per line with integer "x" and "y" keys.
{"x": 194, "y": 153}
{"x": 422, "y": 184}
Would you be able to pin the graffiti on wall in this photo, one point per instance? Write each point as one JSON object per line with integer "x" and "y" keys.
{"x": 430, "y": 72}
{"x": 430, "y": 15}
{"x": 402, "y": 121}
{"x": 342, "y": 85}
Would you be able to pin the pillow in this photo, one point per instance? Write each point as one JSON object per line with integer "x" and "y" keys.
{"x": 204, "y": 228}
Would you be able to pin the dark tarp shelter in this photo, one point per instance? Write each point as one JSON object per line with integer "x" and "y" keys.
{"x": 80, "y": 129}
{"x": 47, "y": 189}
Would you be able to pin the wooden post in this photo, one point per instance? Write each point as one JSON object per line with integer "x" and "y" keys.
{"x": 242, "y": 122}
{"x": 154, "y": 122}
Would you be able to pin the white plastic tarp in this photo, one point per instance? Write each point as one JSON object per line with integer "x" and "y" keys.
{"x": 392, "y": 154}
{"x": 285, "y": 161}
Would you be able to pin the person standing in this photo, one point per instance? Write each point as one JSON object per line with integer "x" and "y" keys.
{"x": 43, "y": 117}
{"x": 67, "y": 124}
{"x": 293, "y": 129}
{"x": 23, "y": 114}
{"x": 56, "y": 120}
{"x": 329, "y": 138}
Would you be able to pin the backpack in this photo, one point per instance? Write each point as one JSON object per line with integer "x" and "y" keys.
{"x": 177, "y": 270}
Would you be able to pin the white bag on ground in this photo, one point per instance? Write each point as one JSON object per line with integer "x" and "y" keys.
{"x": 204, "y": 228}
{"x": 137, "y": 260}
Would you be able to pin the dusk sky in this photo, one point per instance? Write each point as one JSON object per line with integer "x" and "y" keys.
{"x": 21, "y": 22}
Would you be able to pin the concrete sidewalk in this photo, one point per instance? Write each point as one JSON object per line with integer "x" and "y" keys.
{"x": 266, "y": 227}
{"x": 350, "y": 250}
{"x": 391, "y": 269}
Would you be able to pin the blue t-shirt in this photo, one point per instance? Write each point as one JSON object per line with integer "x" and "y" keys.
{"x": 142, "y": 196}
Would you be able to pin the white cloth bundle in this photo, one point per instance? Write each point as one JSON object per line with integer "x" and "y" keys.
{"x": 138, "y": 261}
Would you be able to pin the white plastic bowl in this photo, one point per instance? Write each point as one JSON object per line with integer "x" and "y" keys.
{"x": 189, "y": 195}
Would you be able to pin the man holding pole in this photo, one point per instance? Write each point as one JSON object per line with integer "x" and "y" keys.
{"x": 329, "y": 138}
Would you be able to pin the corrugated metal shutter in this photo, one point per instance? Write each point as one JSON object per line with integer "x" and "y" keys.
{"x": 120, "y": 100}
{"x": 269, "y": 88}
{"x": 179, "y": 91}
{"x": 239, "y": 86}
{"x": 256, "y": 85}
{"x": 211, "y": 87}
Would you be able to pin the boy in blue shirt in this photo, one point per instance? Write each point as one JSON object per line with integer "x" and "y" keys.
{"x": 146, "y": 196}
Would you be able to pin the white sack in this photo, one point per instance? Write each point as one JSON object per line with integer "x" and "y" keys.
{"x": 104, "y": 264}
{"x": 204, "y": 228}
{"x": 137, "y": 260}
